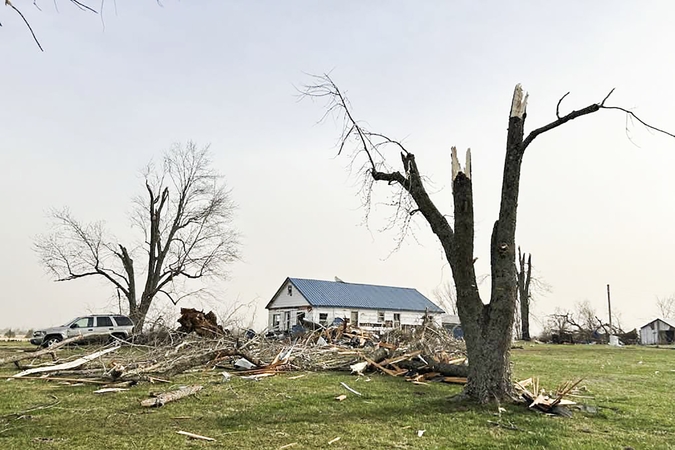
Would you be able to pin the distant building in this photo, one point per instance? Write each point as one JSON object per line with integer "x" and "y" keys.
{"x": 364, "y": 305}
{"x": 658, "y": 331}
{"x": 451, "y": 323}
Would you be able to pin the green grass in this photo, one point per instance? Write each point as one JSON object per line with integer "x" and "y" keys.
{"x": 633, "y": 390}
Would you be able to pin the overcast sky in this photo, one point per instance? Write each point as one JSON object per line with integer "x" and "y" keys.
{"x": 79, "y": 121}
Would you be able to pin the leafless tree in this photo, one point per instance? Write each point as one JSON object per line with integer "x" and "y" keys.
{"x": 446, "y": 296}
{"x": 185, "y": 217}
{"x": 528, "y": 284}
{"x": 666, "y": 306}
{"x": 487, "y": 327}
{"x": 524, "y": 279}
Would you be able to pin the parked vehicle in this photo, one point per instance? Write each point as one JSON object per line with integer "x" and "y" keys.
{"x": 96, "y": 327}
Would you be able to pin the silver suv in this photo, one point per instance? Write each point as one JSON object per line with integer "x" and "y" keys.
{"x": 92, "y": 327}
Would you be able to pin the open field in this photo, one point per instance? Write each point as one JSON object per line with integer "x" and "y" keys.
{"x": 632, "y": 389}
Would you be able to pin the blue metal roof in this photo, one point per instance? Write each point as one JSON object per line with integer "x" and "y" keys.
{"x": 367, "y": 296}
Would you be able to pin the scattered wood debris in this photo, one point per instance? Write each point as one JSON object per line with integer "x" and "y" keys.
{"x": 69, "y": 365}
{"x": 196, "y": 436}
{"x": 537, "y": 398}
{"x": 333, "y": 441}
{"x": 292, "y": 444}
{"x": 171, "y": 396}
{"x": 110, "y": 390}
{"x": 38, "y": 353}
{"x": 418, "y": 355}
{"x": 341, "y": 397}
{"x": 350, "y": 389}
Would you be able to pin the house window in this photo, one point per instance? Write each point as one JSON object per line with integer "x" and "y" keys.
{"x": 323, "y": 318}
{"x": 380, "y": 316}
{"x": 397, "y": 319}
{"x": 300, "y": 317}
{"x": 276, "y": 319}
{"x": 287, "y": 320}
{"x": 290, "y": 290}
{"x": 354, "y": 319}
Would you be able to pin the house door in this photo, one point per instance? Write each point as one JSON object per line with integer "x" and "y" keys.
{"x": 354, "y": 319}
{"x": 287, "y": 320}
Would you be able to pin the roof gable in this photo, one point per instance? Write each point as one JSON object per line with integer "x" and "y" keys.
{"x": 363, "y": 296}
{"x": 667, "y": 321}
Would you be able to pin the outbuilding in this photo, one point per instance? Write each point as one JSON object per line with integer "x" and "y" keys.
{"x": 658, "y": 331}
{"x": 368, "y": 306}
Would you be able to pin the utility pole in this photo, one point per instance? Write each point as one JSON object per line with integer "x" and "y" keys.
{"x": 609, "y": 306}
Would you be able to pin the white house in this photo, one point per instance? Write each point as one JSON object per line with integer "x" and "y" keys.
{"x": 364, "y": 305}
{"x": 658, "y": 331}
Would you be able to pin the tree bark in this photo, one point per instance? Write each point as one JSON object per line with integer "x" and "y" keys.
{"x": 524, "y": 277}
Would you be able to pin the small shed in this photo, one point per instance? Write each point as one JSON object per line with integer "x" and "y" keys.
{"x": 658, "y": 331}
{"x": 368, "y": 306}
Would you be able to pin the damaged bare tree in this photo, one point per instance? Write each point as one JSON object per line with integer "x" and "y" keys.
{"x": 524, "y": 280}
{"x": 186, "y": 218}
{"x": 487, "y": 327}
{"x": 446, "y": 296}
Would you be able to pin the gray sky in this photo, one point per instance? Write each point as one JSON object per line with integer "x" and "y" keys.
{"x": 80, "y": 120}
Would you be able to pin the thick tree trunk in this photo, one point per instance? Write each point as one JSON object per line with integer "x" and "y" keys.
{"x": 488, "y": 329}
{"x": 138, "y": 313}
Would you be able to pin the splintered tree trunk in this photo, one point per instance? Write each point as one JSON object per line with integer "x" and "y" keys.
{"x": 524, "y": 277}
{"x": 488, "y": 329}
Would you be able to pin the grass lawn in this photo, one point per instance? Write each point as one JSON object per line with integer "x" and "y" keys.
{"x": 633, "y": 390}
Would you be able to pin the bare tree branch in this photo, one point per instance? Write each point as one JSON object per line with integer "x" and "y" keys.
{"x": 186, "y": 218}
{"x": 8, "y": 3}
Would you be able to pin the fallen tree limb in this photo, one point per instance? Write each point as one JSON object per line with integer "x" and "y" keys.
{"x": 69, "y": 380}
{"x": 180, "y": 365}
{"x": 448, "y": 370}
{"x": 171, "y": 396}
{"x": 69, "y": 365}
{"x": 35, "y": 354}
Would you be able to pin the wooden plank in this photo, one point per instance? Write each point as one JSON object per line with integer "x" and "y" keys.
{"x": 196, "y": 436}
{"x": 382, "y": 368}
{"x": 38, "y": 353}
{"x": 454, "y": 380}
{"x": 66, "y": 366}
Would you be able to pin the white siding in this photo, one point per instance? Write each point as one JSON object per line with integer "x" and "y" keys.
{"x": 369, "y": 316}
{"x": 649, "y": 334}
{"x": 284, "y": 300}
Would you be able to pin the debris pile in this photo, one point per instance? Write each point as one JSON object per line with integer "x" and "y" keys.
{"x": 552, "y": 403}
{"x": 419, "y": 355}
{"x": 206, "y": 325}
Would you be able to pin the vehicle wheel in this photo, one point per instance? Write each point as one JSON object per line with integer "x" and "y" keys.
{"x": 51, "y": 340}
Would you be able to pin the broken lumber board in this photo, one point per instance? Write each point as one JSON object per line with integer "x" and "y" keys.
{"x": 382, "y": 368}
{"x": 454, "y": 380}
{"x": 404, "y": 357}
{"x": 195, "y": 436}
{"x": 110, "y": 390}
{"x": 69, "y": 365}
{"x": 34, "y": 354}
{"x": 171, "y": 396}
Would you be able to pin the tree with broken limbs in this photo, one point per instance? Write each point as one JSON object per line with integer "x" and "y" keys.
{"x": 185, "y": 218}
{"x": 487, "y": 327}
